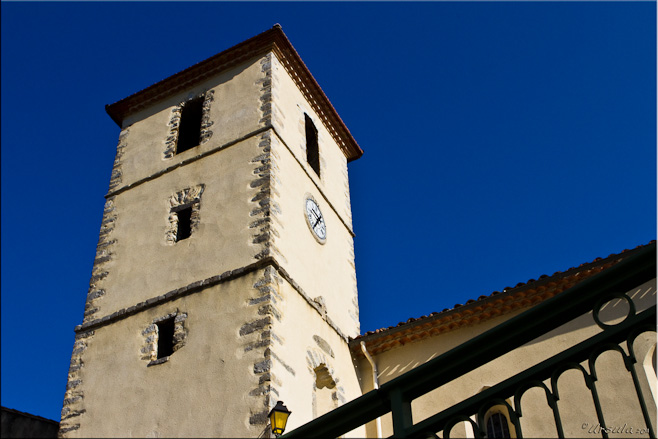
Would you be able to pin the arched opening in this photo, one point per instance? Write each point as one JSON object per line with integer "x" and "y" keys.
{"x": 497, "y": 426}
{"x": 497, "y": 423}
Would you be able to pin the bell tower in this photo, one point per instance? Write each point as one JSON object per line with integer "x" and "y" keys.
{"x": 224, "y": 277}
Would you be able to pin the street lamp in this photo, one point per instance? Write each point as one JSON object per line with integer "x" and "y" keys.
{"x": 278, "y": 418}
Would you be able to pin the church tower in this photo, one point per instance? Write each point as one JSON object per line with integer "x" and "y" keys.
{"x": 224, "y": 276}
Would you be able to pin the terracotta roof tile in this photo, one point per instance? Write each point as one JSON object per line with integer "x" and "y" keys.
{"x": 483, "y": 308}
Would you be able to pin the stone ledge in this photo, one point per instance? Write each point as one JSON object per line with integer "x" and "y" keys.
{"x": 158, "y": 361}
{"x": 203, "y": 284}
{"x": 168, "y": 169}
{"x": 284, "y": 274}
{"x": 174, "y": 294}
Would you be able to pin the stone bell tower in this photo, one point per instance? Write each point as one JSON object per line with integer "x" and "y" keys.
{"x": 224, "y": 277}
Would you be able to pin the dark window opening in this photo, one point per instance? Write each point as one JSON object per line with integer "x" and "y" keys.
{"x": 166, "y": 338}
{"x": 497, "y": 426}
{"x": 184, "y": 229}
{"x": 312, "y": 151}
{"x": 189, "y": 131}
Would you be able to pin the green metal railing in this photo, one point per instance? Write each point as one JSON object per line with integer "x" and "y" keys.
{"x": 590, "y": 295}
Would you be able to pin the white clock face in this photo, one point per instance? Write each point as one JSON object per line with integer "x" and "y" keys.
{"x": 315, "y": 219}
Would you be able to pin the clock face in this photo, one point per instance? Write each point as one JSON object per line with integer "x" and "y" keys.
{"x": 315, "y": 220}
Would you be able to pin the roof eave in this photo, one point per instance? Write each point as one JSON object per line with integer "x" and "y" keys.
{"x": 410, "y": 326}
{"x": 272, "y": 40}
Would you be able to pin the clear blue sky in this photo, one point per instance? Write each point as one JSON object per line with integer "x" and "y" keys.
{"x": 502, "y": 141}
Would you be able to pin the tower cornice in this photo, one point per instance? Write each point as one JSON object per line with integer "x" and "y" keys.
{"x": 272, "y": 40}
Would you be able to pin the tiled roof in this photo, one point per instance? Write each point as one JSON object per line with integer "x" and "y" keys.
{"x": 271, "y": 40}
{"x": 523, "y": 295}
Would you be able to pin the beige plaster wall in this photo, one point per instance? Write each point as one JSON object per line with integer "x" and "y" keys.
{"x": 322, "y": 270}
{"x": 303, "y": 343}
{"x": 249, "y": 342}
{"x": 326, "y": 270}
{"x": 615, "y": 387}
{"x": 288, "y": 121}
{"x": 144, "y": 265}
{"x": 204, "y": 390}
{"x": 235, "y": 112}
{"x": 251, "y": 96}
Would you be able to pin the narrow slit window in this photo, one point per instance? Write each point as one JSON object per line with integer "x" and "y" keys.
{"x": 189, "y": 131}
{"x": 166, "y": 338}
{"x": 184, "y": 229}
{"x": 312, "y": 150}
{"x": 497, "y": 426}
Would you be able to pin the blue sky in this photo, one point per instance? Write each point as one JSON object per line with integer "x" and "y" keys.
{"x": 502, "y": 141}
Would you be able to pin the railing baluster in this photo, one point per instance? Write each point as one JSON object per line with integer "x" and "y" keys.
{"x": 643, "y": 405}
{"x": 516, "y": 420}
{"x": 590, "y": 379}
{"x": 630, "y": 361}
{"x": 552, "y": 402}
{"x": 396, "y": 395}
{"x": 401, "y": 413}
